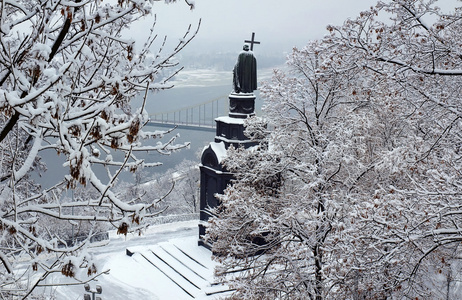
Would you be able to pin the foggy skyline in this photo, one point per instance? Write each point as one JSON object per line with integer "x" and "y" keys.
{"x": 278, "y": 25}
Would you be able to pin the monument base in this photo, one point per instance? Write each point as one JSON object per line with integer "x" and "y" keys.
{"x": 241, "y": 105}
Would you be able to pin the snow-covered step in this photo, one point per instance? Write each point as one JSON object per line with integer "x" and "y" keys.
{"x": 216, "y": 289}
{"x": 175, "y": 267}
{"x": 148, "y": 274}
{"x": 190, "y": 289}
{"x": 190, "y": 261}
{"x": 200, "y": 254}
{"x": 180, "y": 265}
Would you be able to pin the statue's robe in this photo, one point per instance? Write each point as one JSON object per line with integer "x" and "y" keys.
{"x": 245, "y": 73}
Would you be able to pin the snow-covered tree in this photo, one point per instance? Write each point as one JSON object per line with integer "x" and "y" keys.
{"x": 68, "y": 74}
{"x": 179, "y": 186}
{"x": 355, "y": 192}
{"x": 414, "y": 47}
{"x": 287, "y": 222}
{"x": 187, "y": 177}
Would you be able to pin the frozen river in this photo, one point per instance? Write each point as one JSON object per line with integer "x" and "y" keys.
{"x": 191, "y": 88}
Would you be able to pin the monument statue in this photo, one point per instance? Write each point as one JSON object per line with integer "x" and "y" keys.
{"x": 245, "y": 72}
{"x": 229, "y": 132}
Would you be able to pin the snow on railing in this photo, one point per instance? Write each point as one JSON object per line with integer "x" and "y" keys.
{"x": 174, "y": 218}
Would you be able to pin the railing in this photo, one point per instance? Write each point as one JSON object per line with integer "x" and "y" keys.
{"x": 200, "y": 115}
{"x": 174, "y": 218}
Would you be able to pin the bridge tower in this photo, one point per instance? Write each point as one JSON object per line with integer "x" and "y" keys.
{"x": 215, "y": 177}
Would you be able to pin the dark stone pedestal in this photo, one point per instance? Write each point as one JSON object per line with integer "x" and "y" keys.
{"x": 214, "y": 177}
{"x": 241, "y": 105}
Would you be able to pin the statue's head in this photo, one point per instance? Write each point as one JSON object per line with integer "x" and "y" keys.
{"x": 246, "y": 47}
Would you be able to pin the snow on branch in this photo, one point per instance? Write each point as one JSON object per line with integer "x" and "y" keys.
{"x": 68, "y": 79}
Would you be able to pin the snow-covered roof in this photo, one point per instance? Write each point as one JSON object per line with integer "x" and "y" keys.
{"x": 219, "y": 149}
{"x": 229, "y": 120}
{"x": 237, "y": 141}
{"x": 242, "y": 95}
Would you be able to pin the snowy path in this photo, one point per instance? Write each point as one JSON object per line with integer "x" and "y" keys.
{"x": 166, "y": 264}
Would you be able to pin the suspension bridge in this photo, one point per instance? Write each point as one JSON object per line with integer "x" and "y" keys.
{"x": 199, "y": 116}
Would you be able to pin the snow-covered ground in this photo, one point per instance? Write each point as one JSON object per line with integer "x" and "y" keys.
{"x": 166, "y": 263}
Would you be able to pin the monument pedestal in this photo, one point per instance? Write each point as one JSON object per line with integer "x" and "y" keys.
{"x": 214, "y": 177}
{"x": 241, "y": 106}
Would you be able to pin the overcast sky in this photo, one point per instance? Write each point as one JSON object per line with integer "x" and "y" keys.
{"x": 278, "y": 24}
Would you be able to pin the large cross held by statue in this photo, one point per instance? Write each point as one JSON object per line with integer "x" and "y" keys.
{"x": 252, "y": 41}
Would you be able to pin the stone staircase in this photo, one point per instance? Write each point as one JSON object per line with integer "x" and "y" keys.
{"x": 190, "y": 269}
